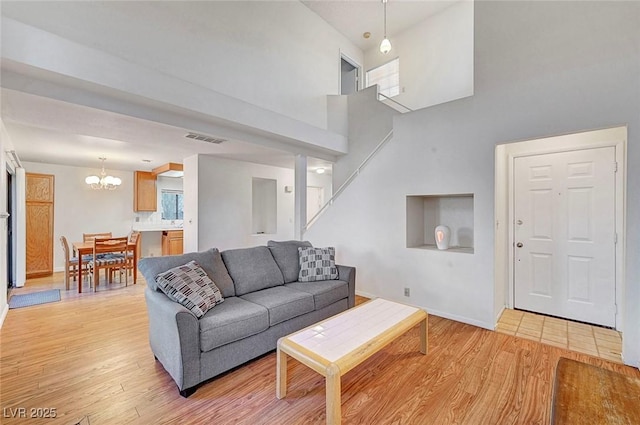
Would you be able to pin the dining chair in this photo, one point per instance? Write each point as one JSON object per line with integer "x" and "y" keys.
{"x": 71, "y": 263}
{"x": 134, "y": 241}
{"x": 108, "y": 253}
{"x": 89, "y": 237}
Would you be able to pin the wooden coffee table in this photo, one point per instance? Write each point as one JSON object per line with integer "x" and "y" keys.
{"x": 335, "y": 346}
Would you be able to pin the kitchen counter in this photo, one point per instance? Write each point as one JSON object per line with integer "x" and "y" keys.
{"x": 153, "y": 235}
{"x": 156, "y": 228}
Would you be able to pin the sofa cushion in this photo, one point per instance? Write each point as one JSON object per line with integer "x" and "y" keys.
{"x": 317, "y": 264}
{"x": 325, "y": 292}
{"x": 210, "y": 261}
{"x": 252, "y": 269}
{"x": 286, "y": 255}
{"x": 190, "y": 286}
{"x": 230, "y": 321}
{"x": 283, "y": 303}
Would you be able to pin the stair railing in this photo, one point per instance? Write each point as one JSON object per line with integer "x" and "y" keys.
{"x": 393, "y": 101}
{"x": 349, "y": 179}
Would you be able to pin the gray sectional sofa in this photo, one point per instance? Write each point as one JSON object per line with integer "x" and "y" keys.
{"x": 263, "y": 301}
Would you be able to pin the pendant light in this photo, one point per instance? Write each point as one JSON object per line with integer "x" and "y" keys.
{"x": 103, "y": 182}
{"x": 385, "y": 46}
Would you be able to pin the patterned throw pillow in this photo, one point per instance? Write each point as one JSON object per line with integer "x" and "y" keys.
{"x": 317, "y": 264}
{"x": 190, "y": 286}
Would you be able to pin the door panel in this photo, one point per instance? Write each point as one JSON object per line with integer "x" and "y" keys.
{"x": 39, "y": 239}
{"x": 579, "y": 217}
{"x": 565, "y": 220}
{"x": 315, "y": 200}
{"x": 541, "y": 274}
{"x": 578, "y": 278}
{"x": 542, "y": 214}
{"x": 39, "y": 224}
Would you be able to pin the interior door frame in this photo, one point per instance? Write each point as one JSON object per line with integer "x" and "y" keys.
{"x": 504, "y": 192}
{"x": 354, "y": 63}
{"x": 11, "y": 239}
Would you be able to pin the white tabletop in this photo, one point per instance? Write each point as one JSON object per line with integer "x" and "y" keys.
{"x": 338, "y": 336}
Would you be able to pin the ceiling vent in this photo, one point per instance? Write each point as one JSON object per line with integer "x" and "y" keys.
{"x": 203, "y": 138}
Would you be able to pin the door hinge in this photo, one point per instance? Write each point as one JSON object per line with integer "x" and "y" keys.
{"x": 615, "y": 167}
{"x": 615, "y": 238}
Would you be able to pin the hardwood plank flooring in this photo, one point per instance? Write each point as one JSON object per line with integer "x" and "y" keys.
{"x": 88, "y": 357}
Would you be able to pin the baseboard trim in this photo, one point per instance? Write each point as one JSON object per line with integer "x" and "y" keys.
{"x": 455, "y": 317}
{"x": 498, "y": 317}
{"x": 366, "y": 294}
{"x": 463, "y": 319}
{"x": 5, "y": 310}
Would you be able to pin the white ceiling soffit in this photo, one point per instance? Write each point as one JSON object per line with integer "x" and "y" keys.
{"x": 55, "y": 132}
{"x": 354, "y": 18}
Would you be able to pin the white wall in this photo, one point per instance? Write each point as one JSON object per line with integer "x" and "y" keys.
{"x": 224, "y": 211}
{"x": 278, "y": 55}
{"x": 79, "y": 209}
{"x": 541, "y": 68}
{"x": 436, "y": 58}
{"x": 191, "y": 198}
{"x": 369, "y": 122}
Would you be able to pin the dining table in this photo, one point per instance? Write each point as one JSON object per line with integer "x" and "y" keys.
{"x": 86, "y": 248}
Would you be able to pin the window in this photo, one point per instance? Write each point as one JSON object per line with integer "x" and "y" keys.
{"x": 386, "y": 76}
{"x": 172, "y": 205}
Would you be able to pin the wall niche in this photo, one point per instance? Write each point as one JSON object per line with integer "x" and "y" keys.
{"x": 425, "y": 212}
{"x": 264, "y": 203}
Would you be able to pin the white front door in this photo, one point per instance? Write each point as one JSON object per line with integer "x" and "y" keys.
{"x": 564, "y": 209}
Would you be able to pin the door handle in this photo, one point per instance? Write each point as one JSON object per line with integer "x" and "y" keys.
{"x": 519, "y": 245}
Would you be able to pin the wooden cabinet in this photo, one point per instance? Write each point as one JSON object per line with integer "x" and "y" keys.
{"x": 145, "y": 197}
{"x": 172, "y": 242}
{"x": 39, "y": 224}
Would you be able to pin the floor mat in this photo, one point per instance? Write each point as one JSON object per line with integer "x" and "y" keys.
{"x": 35, "y": 298}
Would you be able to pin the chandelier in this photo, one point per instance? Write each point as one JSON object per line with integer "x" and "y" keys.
{"x": 385, "y": 46}
{"x": 103, "y": 181}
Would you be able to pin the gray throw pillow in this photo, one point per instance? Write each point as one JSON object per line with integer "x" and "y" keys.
{"x": 190, "y": 286}
{"x": 317, "y": 264}
{"x": 210, "y": 261}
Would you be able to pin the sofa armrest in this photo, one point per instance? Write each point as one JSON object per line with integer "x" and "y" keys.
{"x": 174, "y": 335}
{"x": 348, "y": 274}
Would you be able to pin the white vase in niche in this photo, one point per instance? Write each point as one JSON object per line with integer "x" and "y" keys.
{"x": 443, "y": 235}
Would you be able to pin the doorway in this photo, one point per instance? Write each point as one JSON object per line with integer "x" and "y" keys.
{"x": 505, "y": 231}
{"x": 39, "y": 224}
{"x": 349, "y": 76}
{"x": 564, "y": 211}
{"x": 315, "y": 201}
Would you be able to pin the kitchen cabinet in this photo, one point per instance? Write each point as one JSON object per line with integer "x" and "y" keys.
{"x": 145, "y": 196}
{"x": 172, "y": 242}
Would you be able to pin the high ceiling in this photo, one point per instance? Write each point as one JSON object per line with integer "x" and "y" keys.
{"x": 354, "y": 18}
{"x": 52, "y": 131}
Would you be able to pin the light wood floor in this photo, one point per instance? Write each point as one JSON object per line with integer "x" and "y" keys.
{"x": 88, "y": 357}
